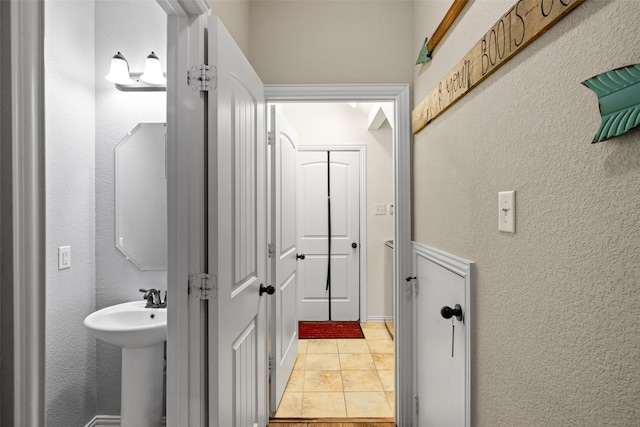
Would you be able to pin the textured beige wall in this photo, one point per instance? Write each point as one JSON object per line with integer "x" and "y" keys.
{"x": 331, "y": 41}
{"x": 339, "y": 124}
{"x": 234, "y": 14}
{"x": 557, "y": 304}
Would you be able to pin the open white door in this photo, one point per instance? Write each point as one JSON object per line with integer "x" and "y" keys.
{"x": 284, "y": 316}
{"x": 236, "y": 232}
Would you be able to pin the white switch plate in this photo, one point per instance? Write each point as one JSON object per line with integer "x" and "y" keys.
{"x": 390, "y": 208}
{"x": 379, "y": 209}
{"x": 507, "y": 211}
{"x": 64, "y": 257}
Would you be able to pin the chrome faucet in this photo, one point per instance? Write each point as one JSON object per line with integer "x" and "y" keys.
{"x": 154, "y": 300}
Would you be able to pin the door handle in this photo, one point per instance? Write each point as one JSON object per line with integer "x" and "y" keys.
{"x": 270, "y": 290}
{"x": 448, "y": 312}
{"x": 300, "y": 256}
{"x": 354, "y": 245}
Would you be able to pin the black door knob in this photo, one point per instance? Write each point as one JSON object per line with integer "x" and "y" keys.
{"x": 300, "y": 256}
{"x": 270, "y": 290}
{"x": 448, "y": 312}
{"x": 354, "y": 245}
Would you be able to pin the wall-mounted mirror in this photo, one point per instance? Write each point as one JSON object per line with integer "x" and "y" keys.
{"x": 141, "y": 196}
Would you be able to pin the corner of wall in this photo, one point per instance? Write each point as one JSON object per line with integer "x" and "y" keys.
{"x": 70, "y": 193}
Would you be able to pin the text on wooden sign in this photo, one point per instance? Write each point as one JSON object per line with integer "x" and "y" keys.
{"x": 522, "y": 24}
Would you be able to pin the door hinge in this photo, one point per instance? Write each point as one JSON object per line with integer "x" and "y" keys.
{"x": 270, "y": 250}
{"x": 416, "y": 403}
{"x": 270, "y": 363}
{"x": 270, "y": 137}
{"x": 202, "y": 77}
{"x": 203, "y": 286}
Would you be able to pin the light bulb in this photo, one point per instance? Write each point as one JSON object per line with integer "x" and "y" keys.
{"x": 153, "y": 71}
{"x": 119, "y": 71}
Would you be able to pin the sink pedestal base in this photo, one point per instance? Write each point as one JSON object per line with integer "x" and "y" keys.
{"x": 142, "y": 378}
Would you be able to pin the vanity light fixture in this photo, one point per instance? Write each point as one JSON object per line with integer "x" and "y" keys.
{"x": 119, "y": 71}
{"x": 152, "y": 80}
{"x": 153, "y": 71}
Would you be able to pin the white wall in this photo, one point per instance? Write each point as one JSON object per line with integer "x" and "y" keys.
{"x": 340, "y": 124}
{"x": 6, "y": 246}
{"x": 70, "y": 135}
{"x": 557, "y": 325}
{"x": 134, "y": 28}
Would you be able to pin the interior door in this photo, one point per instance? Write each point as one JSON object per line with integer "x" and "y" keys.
{"x": 313, "y": 232}
{"x": 441, "y": 362}
{"x": 237, "y": 370}
{"x": 284, "y": 317}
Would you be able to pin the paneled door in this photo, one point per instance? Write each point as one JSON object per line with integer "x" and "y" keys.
{"x": 443, "y": 322}
{"x": 284, "y": 260}
{"x": 237, "y": 249}
{"x": 315, "y": 179}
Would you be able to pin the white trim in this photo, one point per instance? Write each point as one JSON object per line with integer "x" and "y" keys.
{"x": 362, "y": 155}
{"x": 403, "y": 308}
{"x": 110, "y": 421}
{"x": 27, "y": 203}
{"x": 329, "y": 93}
{"x": 465, "y": 269}
{"x": 185, "y": 210}
{"x": 379, "y": 319}
{"x": 104, "y": 421}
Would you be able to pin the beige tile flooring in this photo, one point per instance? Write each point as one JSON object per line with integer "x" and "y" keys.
{"x": 342, "y": 378}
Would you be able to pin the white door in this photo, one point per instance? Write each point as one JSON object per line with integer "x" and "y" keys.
{"x": 315, "y": 303}
{"x": 237, "y": 253}
{"x": 441, "y": 350}
{"x": 284, "y": 317}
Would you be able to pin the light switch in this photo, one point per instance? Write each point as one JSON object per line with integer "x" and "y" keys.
{"x": 507, "y": 211}
{"x": 390, "y": 208}
{"x": 64, "y": 257}
{"x": 379, "y": 209}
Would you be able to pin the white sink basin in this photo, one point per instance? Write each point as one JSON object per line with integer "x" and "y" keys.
{"x": 129, "y": 325}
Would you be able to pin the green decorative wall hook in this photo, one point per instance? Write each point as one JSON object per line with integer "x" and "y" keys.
{"x": 618, "y": 94}
{"x": 425, "y": 55}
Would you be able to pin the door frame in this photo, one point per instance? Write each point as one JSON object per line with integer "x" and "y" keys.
{"x": 362, "y": 240}
{"x": 403, "y": 301}
{"x": 186, "y": 206}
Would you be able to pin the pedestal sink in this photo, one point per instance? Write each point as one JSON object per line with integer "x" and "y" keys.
{"x": 141, "y": 333}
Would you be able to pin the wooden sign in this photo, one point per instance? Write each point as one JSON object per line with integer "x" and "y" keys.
{"x": 522, "y": 24}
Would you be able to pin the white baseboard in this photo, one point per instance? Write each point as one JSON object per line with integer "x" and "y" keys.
{"x": 378, "y": 319}
{"x": 110, "y": 421}
{"x": 104, "y": 421}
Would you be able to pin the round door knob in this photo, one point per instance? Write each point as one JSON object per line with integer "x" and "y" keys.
{"x": 300, "y": 256}
{"x": 354, "y": 245}
{"x": 270, "y": 290}
{"x": 448, "y": 312}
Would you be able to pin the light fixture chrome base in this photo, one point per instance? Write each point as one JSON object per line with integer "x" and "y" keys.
{"x": 140, "y": 86}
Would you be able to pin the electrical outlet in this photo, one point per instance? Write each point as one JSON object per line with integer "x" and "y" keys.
{"x": 64, "y": 257}
{"x": 379, "y": 209}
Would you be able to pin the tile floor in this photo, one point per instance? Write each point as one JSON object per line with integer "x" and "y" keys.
{"x": 342, "y": 378}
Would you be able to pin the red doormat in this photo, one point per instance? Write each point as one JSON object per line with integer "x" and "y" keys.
{"x": 329, "y": 330}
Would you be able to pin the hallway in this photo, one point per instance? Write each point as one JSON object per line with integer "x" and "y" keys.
{"x": 343, "y": 378}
